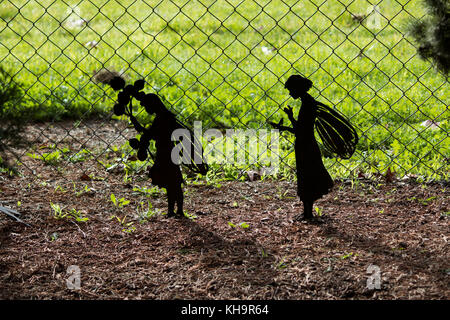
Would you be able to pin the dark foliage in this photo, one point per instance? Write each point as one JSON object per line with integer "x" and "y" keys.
{"x": 10, "y": 92}
{"x": 433, "y": 34}
{"x": 11, "y": 95}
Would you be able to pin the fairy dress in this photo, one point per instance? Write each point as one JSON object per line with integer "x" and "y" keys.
{"x": 164, "y": 173}
{"x": 313, "y": 180}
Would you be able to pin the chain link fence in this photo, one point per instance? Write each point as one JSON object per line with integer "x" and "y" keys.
{"x": 223, "y": 63}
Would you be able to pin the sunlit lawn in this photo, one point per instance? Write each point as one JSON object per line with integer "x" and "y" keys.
{"x": 224, "y": 62}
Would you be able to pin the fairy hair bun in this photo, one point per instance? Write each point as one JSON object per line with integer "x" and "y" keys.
{"x": 298, "y": 82}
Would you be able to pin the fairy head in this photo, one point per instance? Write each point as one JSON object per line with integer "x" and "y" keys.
{"x": 297, "y": 85}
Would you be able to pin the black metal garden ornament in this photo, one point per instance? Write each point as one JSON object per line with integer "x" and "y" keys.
{"x": 165, "y": 172}
{"x": 338, "y": 137}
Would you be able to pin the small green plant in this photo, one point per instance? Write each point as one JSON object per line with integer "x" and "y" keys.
{"x": 427, "y": 201}
{"x": 54, "y": 236}
{"x": 263, "y": 253}
{"x": 127, "y": 226}
{"x": 424, "y": 202}
{"x": 57, "y": 211}
{"x": 348, "y": 255}
{"x": 355, "y": 183}
{"x": 85, "y": 189}
{"x": 80, "y": 156}
{"x": 77, "y": 215}
{"x": 58, "y": 188}
{"x": 319, "y": 211}
{"x": 153, "y": 192}
{"x": 282, "y": 264}
{"x": 243, "y": 225}
{"x": 122, "y": 202}
{"x": 282, "y": 194}
{"x": 144, "y": 214}
{"x": 50, "y": 158}
{"x": 392, "y": 191}
{"x": 190, "y": 216}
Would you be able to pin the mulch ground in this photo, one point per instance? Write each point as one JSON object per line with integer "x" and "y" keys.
{"x": 241, "y": 242}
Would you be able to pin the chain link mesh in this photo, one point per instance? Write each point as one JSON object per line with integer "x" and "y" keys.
{"x": 224, "y": 63}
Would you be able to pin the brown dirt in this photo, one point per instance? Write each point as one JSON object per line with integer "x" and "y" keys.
{"x": 400, "y": 227}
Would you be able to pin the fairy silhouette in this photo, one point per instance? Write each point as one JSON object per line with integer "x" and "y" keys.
{"x": 338, "y": 137}
{"x": 164, "y": 172}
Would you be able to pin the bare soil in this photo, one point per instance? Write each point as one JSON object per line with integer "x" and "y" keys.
{"x": 241, "y": 242}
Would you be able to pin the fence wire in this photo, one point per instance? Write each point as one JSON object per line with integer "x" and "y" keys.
{"x": 223, "y": 63}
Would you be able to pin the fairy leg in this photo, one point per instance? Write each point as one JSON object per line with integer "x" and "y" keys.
{"x": 179, "y": 197}
{"x": 171, "y": 203}
{"x": 307, "y": 211}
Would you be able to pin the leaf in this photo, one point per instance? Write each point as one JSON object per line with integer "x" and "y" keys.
{"x": 54, "y": 236}
{"x": 85, "y": 177}
{"x": 124, "y": 202}
{"x": 389, "y": 176}
{"x": 346, "y": 256}
{"x": 244, "y": 225}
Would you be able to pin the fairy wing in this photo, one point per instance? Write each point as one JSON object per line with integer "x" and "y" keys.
{"x": 170, "y": 124}
{"x": 336, "y": 132}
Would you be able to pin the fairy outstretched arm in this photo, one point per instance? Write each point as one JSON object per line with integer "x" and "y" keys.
{"x": 136, "y": 124}
{"x": 148, "y": 132}
{"x": 280, "y": 126}
{"x": 290, "y": 114}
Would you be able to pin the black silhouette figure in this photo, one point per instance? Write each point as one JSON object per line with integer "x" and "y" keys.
{"x": 337, "y": 134}
{"x": 164, "y": 172}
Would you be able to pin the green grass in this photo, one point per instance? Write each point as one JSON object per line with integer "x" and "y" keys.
{"x": 206, "y": 59}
